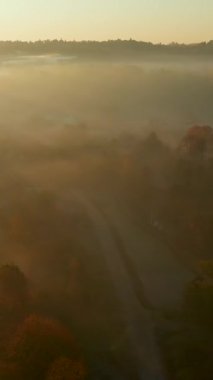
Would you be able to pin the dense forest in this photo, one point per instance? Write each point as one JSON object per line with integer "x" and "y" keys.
{"x": 59, "y": 311}
{"x": 106, "y": 190}
{"x": 122, "y": 49}
{"x": 175, "y": 202}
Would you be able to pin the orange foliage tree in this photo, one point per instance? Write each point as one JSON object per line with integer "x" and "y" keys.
{"x": 37, "y": 343}
{"x": 67, "y": 369}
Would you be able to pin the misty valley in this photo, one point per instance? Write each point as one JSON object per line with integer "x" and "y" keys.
{"x": 106, "y": 215}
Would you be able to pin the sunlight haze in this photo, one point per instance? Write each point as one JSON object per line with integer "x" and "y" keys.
{"x": 149, "y": 20}
{"x": 106, "y": 179}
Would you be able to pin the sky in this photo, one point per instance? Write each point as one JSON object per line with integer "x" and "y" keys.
{"x": 148, "y": 20}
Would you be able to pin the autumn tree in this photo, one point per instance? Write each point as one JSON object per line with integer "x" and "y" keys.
{"x": 13, "y": 283}
{"x": 189, "y": 349}
{"x": 14, "y": 294}
{"x": 67, "y": 369}
{"x": 37, "y": 343}
{"x": 9, "y": 371}
{"x": 198, "y": 142}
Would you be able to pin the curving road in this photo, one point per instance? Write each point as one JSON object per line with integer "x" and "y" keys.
{"x": 144, "y": 352}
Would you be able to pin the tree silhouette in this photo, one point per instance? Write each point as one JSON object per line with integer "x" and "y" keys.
{"x": 14, "y": 292}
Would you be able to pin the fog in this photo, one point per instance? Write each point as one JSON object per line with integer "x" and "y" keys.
{"x": 70, "y": 127}
{"x": 51, "y": 92}
{"x": 93, "y": 193}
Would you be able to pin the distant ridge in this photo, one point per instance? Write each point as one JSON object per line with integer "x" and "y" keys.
{"x": 105, "y": 49}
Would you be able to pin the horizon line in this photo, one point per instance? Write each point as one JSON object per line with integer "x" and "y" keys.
{"x": 110, "y": 40}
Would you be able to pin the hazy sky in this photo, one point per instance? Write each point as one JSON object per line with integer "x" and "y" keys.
{"x": 149, "y": 20}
